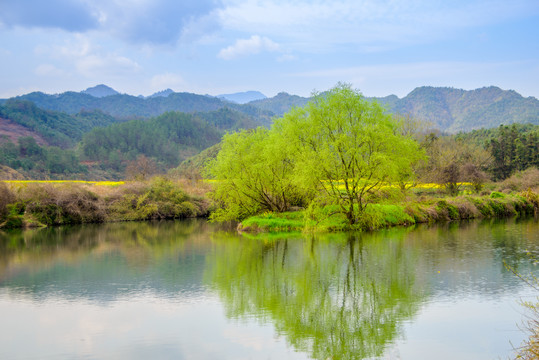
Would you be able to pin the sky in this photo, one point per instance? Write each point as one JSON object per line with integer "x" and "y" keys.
{"x": 380, "y": 47}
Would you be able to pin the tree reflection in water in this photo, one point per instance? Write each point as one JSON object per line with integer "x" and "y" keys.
{"x": 343, "y": 297}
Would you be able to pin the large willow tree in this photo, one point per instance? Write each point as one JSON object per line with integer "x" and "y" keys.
{"x": 339, "y": 145}
{"x": 347, "y": 147}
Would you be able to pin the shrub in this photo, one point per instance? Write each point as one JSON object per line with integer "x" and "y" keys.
{"x": 522, "y": 180}
{"x": 497, "y": 195}
{"x": 6, "y": 197}
{"x": 466, "y": 209}
{"x": 447, "y": 210}
{"x": 62, "y": 204}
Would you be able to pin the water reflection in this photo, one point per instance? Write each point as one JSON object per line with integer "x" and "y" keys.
{"x": 104, "y": 262}
{"x": 170, "y": 288}
{"x": 337, "y": 298}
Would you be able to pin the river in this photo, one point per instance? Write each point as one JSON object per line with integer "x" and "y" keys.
{"x": 191, "y": 290}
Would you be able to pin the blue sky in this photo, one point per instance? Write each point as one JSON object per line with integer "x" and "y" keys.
{"x": 223, "y": 46}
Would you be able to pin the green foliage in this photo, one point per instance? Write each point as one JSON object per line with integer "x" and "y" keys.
{"x": 57, "y": 128}
{"x": 127, "y": 106}
{"x": 227, "y": 119}
{"x": 158, "y": 199}
{"x": 339, "y": 145}
{"x": 497, "y": 195}
{"x": 163, "y": 138}
{"x": 6, "y": 198}
{"x": 193, "y": 167}
{"x": 58, "y": 205}
{"x": 39, "y": 161}
{"x": 447, "y": 109}
{"x": 253, "y": 173}
{"x": 514, "y": 150}
{"x": 274, "y": 222}
{"x": 448, "y": 210}
{"x": 346, "y": 147}
{"x": 325, "y": 218}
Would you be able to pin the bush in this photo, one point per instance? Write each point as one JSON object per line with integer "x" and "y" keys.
{"x": 6, "y": 198}
{"x": 522, "y": 180}
{"x": 159, "y": 199}
{"x": 64, "y": 204}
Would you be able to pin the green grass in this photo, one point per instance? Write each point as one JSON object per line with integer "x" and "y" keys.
{"x": 329, "y": 218}
{"x": 274, "y": 222}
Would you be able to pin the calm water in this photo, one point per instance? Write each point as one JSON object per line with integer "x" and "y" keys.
{"x": 187, "y": 290}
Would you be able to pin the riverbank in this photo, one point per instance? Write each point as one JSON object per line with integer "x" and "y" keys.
{"x": 37, "y": 204}
{"x": 377, "y": 216}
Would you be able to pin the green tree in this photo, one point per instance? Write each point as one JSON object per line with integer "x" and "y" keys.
{"x": 347, "y": 147}
{"x": 253, "y": 173}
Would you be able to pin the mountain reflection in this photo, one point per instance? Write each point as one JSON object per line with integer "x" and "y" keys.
{"x": 342, "y": 297}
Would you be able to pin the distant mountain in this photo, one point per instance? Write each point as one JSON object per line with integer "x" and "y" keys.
{"x": 454, "y": 110}
{"x": 280, "y": 103}
{"x": 243, "y": 97}
{"x": 450, "y": 110}
{"x": 127, "y": 106}
{"x": 100, "y": 91}
{"x": 163, "y": 93}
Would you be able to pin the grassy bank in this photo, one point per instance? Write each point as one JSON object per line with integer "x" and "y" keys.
{"x": 28, "y": 204}
{"x": 377, "y": 216}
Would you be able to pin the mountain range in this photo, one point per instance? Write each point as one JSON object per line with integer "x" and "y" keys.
{"x": 95, "y": 133}
{"x": 448, "y": 109}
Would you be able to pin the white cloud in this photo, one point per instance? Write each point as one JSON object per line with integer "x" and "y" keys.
{"x": 166, "y": 81}
{"x": 243, "y": 47}
{"x": 371, "y": 24}
{"x": 138, "y": 21}
{"x": 79, "y": 54}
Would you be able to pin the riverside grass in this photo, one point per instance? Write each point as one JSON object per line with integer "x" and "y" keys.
{"x": 377, "y": 216}
{"x": 46, "y": 203}
{"x": 56, "y": 202}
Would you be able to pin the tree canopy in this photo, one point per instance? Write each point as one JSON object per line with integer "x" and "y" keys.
{"x": 340, "y": 146}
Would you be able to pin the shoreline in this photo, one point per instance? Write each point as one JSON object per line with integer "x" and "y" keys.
{"x": 379, "y": 216}
{"x": 41, "y": 204}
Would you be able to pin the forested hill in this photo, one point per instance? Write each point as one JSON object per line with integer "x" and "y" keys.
{"x": 455, "y": 110}
{"x": 24, "y": 118}
{"x": 448, "y": 109}
{"x": 42, "y": 144}
{"x": 128, "y": 106}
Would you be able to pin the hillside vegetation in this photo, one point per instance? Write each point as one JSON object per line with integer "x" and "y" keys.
{"x": 56, "y": 128}
{"x": 80, "y": 122}
{"x": 105, "y": 152}
{"x": 447, "y": 109}
{"x": 164, "y": 138}
{"x": 342, "y": 162}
